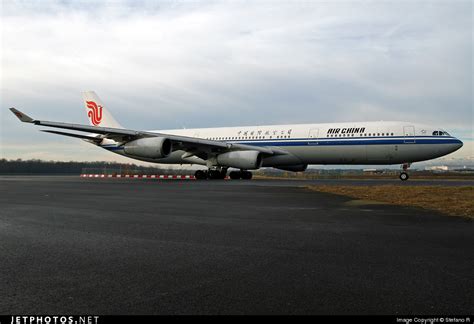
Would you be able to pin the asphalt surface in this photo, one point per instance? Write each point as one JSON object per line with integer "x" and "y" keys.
{"x": 98, "y": 246}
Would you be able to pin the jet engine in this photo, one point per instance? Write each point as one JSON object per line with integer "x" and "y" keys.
{"x": 247, "y": 160}
{"x": 294, "y": 168}
{"x": 149, "y": 147}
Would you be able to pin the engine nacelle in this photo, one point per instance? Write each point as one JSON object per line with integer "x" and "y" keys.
{"x": 247, "y": 160}
{"x": 149, "y": 147}
{"x": 294, "y": 168}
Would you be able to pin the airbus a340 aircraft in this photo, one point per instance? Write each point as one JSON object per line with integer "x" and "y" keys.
{"x": 285, "y": 147}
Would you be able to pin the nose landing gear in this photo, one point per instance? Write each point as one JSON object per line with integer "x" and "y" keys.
{"x": 404, "y": 174}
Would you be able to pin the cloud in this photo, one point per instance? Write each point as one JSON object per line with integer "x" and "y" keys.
{"x": 171, "y": 64}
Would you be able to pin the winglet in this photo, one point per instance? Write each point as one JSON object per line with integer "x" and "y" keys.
{"x": 21, "y": 116}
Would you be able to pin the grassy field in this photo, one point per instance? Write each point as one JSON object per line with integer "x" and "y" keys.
{"x": 413, "y": 176}
{"x": 453, "y": 201}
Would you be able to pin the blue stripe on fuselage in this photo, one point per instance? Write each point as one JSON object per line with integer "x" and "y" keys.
{"x": 334, "y": 141}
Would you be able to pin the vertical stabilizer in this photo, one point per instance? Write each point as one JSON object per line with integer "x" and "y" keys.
{"x": 97, "y": 114}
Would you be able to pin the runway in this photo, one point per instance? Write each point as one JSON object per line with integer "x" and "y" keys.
{"x": 123, "y": 246}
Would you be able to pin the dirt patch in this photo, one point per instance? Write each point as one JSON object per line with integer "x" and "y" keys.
{"x": 453, "y": 201}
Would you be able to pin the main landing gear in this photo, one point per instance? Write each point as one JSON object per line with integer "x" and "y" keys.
{"x": 245, "y": 175}
{"x": 215, "y": 174}
{"x": 210, "y": 174}
{"x": 404, "y": 174}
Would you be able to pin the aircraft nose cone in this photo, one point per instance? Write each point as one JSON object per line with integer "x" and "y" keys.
{"x": 458, "y": 144}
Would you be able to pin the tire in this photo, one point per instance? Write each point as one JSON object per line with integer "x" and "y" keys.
{"x": 246, "y": 175}
{"x": 213, "y": 174}
{"x": 404, "y": 176}
{"x": 200, "y": 175}
{"x": 217, "y": 175}
{"x": 235, "y": 175}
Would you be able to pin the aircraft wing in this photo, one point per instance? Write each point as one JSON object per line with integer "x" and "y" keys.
{"x": 193, "y": 145}
{"x": 93, "y": 139}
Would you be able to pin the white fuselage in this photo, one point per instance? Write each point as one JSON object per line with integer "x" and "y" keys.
{"x": 332, "y": 143}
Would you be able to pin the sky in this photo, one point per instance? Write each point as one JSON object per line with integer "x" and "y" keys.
{"x": 175, "y": 64}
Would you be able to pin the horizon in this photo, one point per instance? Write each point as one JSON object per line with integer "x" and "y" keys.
{"x": 174, "y": 65}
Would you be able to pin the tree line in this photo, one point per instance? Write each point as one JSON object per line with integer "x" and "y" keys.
{"x": 20, "y": 166}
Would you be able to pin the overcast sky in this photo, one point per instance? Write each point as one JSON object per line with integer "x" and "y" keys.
{"x": 172, "y": 64}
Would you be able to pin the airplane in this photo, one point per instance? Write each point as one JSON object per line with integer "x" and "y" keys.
{"x": 285, "y": 147}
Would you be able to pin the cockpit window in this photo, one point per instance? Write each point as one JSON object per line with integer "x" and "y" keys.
{"x": 440, "y": 133}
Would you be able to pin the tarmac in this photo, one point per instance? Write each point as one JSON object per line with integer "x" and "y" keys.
{"x": 126, "y": 246}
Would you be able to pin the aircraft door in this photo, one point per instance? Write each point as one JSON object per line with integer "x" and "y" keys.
{"x": 313, "y": 136}
{"x": 409, "y": 134}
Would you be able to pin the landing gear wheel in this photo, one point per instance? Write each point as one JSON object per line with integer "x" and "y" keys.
{"x": 216, "y": 174}
{"x": 404, "y": 176}
{"x": 235, "y": 175}
{"x": 246, "y": 175}
{"x": 200, "y": 175}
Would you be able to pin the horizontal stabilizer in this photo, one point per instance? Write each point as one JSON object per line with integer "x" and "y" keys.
{"x": 21, "y": 116}
{"x": 89, "y": 138}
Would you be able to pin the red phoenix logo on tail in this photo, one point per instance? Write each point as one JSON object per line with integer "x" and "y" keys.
{"x": 95, "y": 112}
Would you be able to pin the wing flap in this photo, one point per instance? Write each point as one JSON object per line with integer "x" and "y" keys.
{"x": 85, "y": 137}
